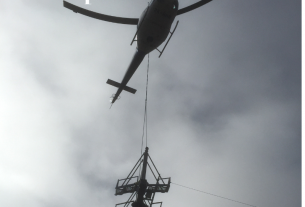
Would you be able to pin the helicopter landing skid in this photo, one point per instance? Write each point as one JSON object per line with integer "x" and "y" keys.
{"x": 161, "y": 52}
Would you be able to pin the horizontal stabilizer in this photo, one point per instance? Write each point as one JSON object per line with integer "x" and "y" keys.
{"x": 116, "y": 84}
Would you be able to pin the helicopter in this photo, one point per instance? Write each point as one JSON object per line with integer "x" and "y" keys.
{"x": 153, "y": 27}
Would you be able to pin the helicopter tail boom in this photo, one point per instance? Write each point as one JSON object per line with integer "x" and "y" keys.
{"x": 118, "y": 85}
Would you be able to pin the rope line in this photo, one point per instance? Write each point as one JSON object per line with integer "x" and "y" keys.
{"x": 146, "y": 95}
{"x": 145, "y": 110}
{"x": 145, "y": 114}
{"x": 214, "y": 195}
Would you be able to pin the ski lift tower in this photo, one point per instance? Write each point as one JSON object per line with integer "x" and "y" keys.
{"x": 142, "y": 193}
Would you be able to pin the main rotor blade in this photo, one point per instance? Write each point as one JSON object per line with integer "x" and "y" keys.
{"x": 193, "y": 6}
{"x": 108, "y": 18}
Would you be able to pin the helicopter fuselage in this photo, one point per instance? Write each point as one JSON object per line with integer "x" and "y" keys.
{"x": 155, "y": 23}
{"x": 153, "y": 28}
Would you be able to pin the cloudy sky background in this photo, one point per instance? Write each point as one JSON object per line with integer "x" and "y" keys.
{"x": 224, "y": 104}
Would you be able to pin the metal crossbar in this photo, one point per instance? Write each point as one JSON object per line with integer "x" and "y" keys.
{"x": 155, "y": 168}
{"x": 134, "y": 167}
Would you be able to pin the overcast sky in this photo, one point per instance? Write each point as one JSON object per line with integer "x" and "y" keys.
{"x": 224, "y": 104}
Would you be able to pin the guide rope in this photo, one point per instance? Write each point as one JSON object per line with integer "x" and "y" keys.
{"x": 145, "y": 110}
{"x": 213, "y": 195}
{"x": 145, "y": 114}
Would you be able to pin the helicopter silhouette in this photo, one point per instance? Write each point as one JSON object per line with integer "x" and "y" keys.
{"x": 153, "y": 27}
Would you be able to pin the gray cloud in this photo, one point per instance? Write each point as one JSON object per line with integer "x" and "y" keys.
{"x": 224, "y": 104}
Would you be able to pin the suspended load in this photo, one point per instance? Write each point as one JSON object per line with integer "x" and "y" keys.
{"x": 142, "y": 193}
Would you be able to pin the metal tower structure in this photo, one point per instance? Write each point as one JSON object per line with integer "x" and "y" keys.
{"x": 142, "y": 193}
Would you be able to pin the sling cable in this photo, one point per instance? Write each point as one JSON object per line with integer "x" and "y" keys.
{"x": 142, "y": 192}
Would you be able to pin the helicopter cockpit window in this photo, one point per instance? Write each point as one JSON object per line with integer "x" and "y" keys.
{"x": 175, "y": 6}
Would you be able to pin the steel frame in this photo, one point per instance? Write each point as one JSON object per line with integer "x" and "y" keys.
{"x": 161, "y": 185}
